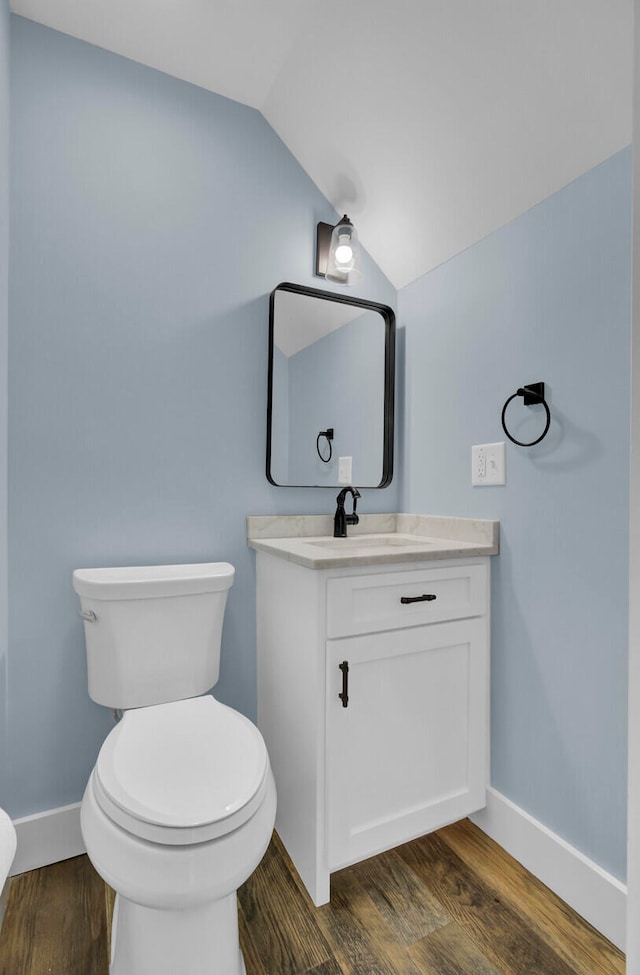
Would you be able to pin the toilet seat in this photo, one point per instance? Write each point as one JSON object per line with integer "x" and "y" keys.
{"x": 182, "y": 773}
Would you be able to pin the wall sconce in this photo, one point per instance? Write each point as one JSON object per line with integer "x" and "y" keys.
{"x": 338, "y": 252}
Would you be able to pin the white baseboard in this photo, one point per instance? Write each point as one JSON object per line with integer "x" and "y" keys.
{"x": 47, "y": 837}
{"x": 595, "y": 894}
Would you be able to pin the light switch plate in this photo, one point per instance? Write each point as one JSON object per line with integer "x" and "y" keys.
{"x": 488, "y": 464}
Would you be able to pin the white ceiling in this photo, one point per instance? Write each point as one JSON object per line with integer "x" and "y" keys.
{"x": 430, "y": 122}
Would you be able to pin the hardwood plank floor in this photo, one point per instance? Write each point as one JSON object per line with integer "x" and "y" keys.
{"x": 56, "y": 922}
{"x": 542, "y": 910}
{"x": 451, "y": 903}
{"x": 493, "y": 926}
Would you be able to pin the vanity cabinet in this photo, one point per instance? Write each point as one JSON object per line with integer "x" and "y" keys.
{"x": 405, "y": 648}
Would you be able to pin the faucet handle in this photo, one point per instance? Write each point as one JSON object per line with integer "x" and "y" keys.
{"x": 356, "y": 495}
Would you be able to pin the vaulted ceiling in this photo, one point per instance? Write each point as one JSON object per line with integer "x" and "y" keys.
{"x": 430, "y": 122}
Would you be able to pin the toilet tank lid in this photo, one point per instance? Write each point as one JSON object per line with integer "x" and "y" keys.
{"x": 153, "y": 581}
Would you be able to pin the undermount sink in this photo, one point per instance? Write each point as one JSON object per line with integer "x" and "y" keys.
{"x": 371, "y": 542}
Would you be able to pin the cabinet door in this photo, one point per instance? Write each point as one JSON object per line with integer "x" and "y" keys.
{"x": 409, "y": 752}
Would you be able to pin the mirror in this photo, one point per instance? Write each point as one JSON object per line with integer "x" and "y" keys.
{"x": 331, "y": 389}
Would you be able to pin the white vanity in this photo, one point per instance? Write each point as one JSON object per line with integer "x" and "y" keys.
{"x": 373, "y": 680}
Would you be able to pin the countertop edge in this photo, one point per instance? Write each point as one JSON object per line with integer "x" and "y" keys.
{"x": 298, "y": 551}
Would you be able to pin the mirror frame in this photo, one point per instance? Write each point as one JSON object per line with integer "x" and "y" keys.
{"x": 389, "y": 318}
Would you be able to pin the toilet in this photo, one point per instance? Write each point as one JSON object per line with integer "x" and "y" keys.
{"x": 180, "y": 806}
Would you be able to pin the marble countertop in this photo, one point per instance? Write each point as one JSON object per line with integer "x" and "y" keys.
{"x": 377, "y": 539}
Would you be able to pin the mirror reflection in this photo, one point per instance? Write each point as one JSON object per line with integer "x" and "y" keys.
{"x": 330, "y": 411}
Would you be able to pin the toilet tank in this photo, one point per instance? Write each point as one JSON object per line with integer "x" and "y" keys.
{"x": 152, "y": 632}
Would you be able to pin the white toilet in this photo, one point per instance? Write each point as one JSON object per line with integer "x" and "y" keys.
{"x": 180, "y": 806}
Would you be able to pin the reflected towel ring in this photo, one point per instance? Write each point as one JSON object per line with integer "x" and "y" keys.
{"x": 328, "y": 433}
{"x": 532, "y": 394}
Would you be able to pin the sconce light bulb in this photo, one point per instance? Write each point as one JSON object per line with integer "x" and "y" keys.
{"x": 344, "y": 251}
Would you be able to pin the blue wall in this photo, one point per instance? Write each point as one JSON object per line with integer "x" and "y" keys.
{"x": 150, "y": 221}
{"x": 545, "y": 298}
{"x": 4, "y": 325}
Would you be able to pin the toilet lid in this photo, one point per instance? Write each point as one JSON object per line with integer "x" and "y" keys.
{"x": 181, "y": 766}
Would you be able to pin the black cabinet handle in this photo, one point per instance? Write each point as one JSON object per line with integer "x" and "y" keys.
{"x": 344, "y": 697}
{"x": 426, "y": 597}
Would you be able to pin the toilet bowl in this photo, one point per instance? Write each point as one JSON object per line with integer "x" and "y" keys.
{"x": 177, "y": 814}
{"x": 180, "y": 806}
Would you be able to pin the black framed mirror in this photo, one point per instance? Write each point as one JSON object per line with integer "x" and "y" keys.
{"x": 331, "y": 389}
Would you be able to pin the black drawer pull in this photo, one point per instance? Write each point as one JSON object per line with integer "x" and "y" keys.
{"x": 427, "y": 597}
{"x": 344, "y": 697}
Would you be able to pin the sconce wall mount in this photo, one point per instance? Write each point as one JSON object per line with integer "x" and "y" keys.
{"x": 338, "y": 252}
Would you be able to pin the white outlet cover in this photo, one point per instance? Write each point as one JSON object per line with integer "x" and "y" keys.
{"x": 344, "y": 470}
{"x": 488, "y": 464}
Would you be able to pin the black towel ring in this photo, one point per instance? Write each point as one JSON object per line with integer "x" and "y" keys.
{"x": 532, "y": 394}
{"x": 329, "y": 436}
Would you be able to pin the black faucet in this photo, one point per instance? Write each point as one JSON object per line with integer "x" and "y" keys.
{"x": 341, "y": 519}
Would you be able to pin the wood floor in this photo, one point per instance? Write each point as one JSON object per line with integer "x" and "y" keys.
{"x": 452, "y": 903}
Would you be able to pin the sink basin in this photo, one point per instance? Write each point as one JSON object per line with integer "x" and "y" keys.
{"x": 370, "y": 542}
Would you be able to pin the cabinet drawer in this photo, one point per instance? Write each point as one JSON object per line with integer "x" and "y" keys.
{"x": 370, "y": 603}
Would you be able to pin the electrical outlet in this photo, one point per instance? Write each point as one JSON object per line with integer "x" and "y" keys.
{"x": 478, "y": 465}
{"x": 488, "y": 464}
{"x": 344, "y": 470}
